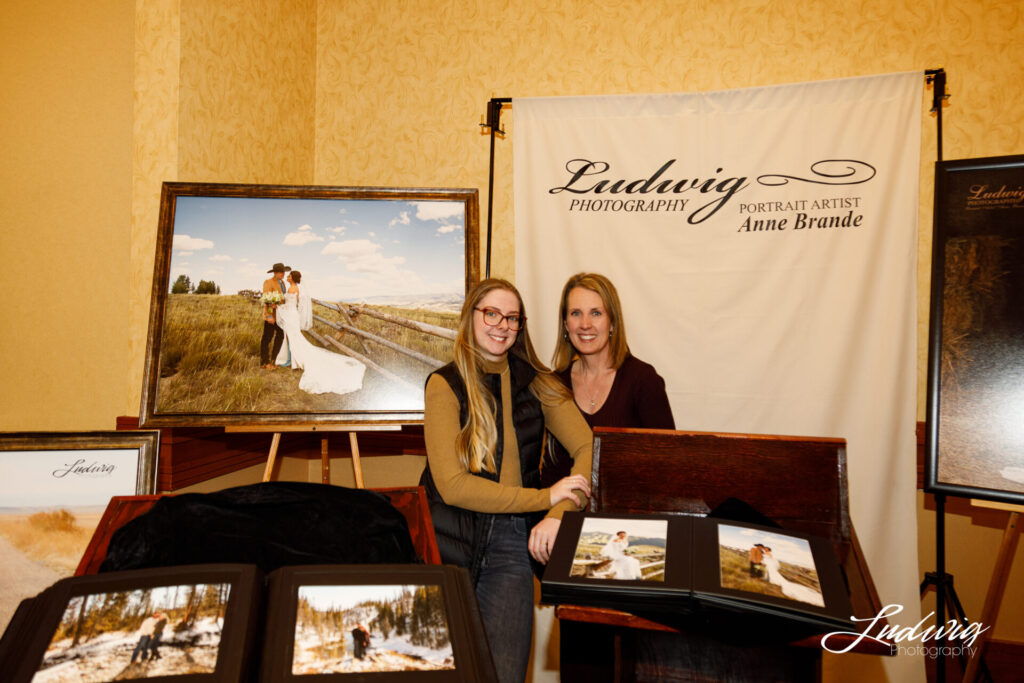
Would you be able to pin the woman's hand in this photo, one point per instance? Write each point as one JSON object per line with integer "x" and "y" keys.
{"x": 542, "y": 538}
{"x": 565, "y": 489}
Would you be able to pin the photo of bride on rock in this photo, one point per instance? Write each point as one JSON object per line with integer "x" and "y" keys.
{"x": 621, "y": 549}
{"x": 360, "y": 297}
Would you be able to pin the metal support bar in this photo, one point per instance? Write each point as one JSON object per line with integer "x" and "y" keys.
{"x": 493, "y": 126}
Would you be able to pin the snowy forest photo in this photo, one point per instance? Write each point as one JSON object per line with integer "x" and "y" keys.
{"x": 348, "y": 629}
{"x": 162, "y": 631}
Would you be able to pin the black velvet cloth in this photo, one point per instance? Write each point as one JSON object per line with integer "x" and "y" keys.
{"x": 271, "y": 525}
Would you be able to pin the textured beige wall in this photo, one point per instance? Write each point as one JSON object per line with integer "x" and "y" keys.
{"x": 387, "y": 92}
{"x": 65, "y": 184}
{"x": 248, "y": 73}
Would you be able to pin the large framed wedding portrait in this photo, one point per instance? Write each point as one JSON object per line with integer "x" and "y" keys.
{"x": 278, "y": 304}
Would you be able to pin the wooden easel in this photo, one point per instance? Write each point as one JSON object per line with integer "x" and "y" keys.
{"x": 325, "y": 460}
{"x": 997, "y": 584}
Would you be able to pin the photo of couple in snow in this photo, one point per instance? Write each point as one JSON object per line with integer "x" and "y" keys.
{"x": 161, "y": 631}
{"x": 352, "y": 628}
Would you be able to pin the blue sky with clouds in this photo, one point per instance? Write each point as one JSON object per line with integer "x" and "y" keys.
{"x": 346, "y": 249}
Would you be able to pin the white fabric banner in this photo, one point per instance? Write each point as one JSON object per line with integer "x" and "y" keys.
{"x": 764, "y": 245}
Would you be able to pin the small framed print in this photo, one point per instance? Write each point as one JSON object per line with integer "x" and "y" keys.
{"x": 55, "y": 487}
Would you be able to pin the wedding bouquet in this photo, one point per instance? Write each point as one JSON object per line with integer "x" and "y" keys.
{"x": 272, "y": 299}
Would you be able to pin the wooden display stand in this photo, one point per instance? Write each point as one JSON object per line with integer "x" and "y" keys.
{"x": 997, "y": 584}
{"x": 325, "y": 459}
{"x": 800, "y": 483}
{"x": 192, "y": 455}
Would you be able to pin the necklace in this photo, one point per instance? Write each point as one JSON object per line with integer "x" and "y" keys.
{"x": 597, "y": 386}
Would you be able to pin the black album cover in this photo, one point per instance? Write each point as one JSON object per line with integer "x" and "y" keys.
{"x": 374, "y": 622}
{"x": 169, "y": 624}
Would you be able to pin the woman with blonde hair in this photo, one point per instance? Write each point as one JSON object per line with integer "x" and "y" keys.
{"x": 484, "y": 424}
{"x": 611, "y": 386}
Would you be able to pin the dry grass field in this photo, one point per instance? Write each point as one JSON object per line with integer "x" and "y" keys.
{"x": 735, "y": 565}
{"x": 56, "y": 539}
{"x": 209, "y": 360}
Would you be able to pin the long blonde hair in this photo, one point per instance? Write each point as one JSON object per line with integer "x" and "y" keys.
{"x": 565, "y": 353}
{"x": 478, "y": 437}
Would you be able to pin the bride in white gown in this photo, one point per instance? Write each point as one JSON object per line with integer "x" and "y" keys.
{"x": 623, "y": 566}
{"x": 792, "y": 590}
{"x": 323, "y": 371}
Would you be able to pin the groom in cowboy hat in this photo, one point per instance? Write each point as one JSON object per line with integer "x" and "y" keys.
{"x": 273, "y": 336}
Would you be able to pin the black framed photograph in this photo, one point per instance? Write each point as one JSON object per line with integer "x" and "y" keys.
{"x": 54, "y": 487}
{"x": 974, "y": 440}
{"x": 189, "y": 623}
{"x": 374, "y": 623}
{"x": 304, "y": 304}
{"x": 620, "y": 560}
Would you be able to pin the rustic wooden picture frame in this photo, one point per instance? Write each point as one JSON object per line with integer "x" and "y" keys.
{"x": 380, "y": 254}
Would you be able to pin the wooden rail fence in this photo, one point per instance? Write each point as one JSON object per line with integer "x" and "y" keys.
{"x": 348, "y": 325}
{"x": 365, "y": 353}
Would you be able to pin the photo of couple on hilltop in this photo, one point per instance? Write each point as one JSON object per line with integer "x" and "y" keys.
{"x": 769, "y": 563}
{"x": 359, "y": 296}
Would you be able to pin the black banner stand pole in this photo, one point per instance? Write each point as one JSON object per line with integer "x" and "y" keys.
{"x": 492, "y": 125}
{"x": 945, "y": 592}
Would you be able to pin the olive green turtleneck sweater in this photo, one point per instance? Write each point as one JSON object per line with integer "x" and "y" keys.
{"x": 459, "y": 487}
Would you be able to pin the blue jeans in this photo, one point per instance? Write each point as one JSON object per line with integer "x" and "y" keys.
{"x": 140, "y": 647}
{"x": 504, "y": 592}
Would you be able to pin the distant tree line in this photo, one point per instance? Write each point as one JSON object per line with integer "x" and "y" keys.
{"x": 417, "y": 614}
{"x": 183, "y": 285}
{"x": 90, "y": 615}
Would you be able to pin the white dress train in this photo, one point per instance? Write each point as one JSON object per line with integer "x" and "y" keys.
{"x": 623, "y": 566}
{"x": 792, "y": 590}
{"x": 323, "y": 371}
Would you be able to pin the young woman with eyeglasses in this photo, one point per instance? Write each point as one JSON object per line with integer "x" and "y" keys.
{"x": 484, "y": 422}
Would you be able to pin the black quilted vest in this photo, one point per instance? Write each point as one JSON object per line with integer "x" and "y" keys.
{"x": 462, "y": 534}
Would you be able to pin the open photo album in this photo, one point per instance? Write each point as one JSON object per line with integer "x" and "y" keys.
{"x": 681, "y": 564}
{"x": 231, "y": 623}
{"x": 374, "y": 623}
{"x": 189, "y": 623}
